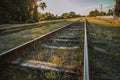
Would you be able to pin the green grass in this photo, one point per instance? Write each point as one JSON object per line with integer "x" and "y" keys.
{"x": 9, "y": 41}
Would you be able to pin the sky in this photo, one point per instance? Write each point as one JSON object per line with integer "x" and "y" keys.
{"x": 82, "y": 7}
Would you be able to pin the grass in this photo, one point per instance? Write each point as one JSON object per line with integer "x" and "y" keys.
{"x": 9, "y": 41}
{"x": 4, "y": 26}
{"x": 70, "y": 59}
{"x": 61, "y": 57}
{"x": 107, "y": 22}
{"x": 104, "y": 63}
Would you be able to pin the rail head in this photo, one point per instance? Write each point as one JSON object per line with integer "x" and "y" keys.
{"x": 86, "y": 61}
{"x": 38, "y": 38}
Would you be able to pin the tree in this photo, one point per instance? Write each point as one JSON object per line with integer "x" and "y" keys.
{"x": 19, "y": 10}
{"x": 69, "y": 15}
{"x": 41, "y": 4}
{"x": 110, "y": 12}
{"x": 72, "y": 14}
{"x": 117, "y": 8}
{"x": 47, "y": 16}
{"x": 94, "y": 13}
{"x": 102, "y": 13}
{"x": 65, "y": 15}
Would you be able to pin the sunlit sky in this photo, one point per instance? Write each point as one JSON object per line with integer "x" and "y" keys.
{"x": 82, "y": 7}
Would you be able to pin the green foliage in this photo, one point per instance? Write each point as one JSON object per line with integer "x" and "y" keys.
{"x": 117, "y": 8}
{"x": 47, "y": 16}
{"x": 12, "y": 11}
{"x": 69, "y": 15}
{"x": 21, "y": 11}
{"x": 65, "y": 15}
{"x": 102, "y": 13}
{"x": 96, "y": 13}
{"x": 50, "y": 16}
{"x": 110, "y": 12}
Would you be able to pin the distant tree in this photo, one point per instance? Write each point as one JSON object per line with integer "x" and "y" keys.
{"x": 94, "y": 13}
{"x": 50, "y": 16}
{"x": 70, "y": 15}
{"x": 65, "y": 15}
{"x": 47, "y": 16}
{"x": 117, "y": 8}
{"x": 102, "y": 13}
{"x": 110, "y": 12}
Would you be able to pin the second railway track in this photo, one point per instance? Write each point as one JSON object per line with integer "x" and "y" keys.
{"x": 10, "y": 30}
{"x": 57, "y": 55}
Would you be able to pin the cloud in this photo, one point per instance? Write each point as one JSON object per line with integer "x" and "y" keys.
{"x": 78, "y": 6}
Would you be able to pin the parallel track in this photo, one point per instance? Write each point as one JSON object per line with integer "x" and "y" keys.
{"x": 10, "y": 30}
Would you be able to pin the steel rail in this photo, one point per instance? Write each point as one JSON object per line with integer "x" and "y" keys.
{"x": 86, "y": 62}
{"x": 29, "y": 43}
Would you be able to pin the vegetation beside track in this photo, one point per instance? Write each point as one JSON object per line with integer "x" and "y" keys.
{"x": 12, "y": 40}
{"x": 4, "y": 26}
{"x": 107, "y": 22}
{"x": 104, "y": 40}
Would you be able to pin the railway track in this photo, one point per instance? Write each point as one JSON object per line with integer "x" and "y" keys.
{"x": 10, "y": 30}
{"x": 55, "y": 55}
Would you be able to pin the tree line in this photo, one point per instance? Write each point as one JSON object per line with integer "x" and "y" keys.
{"x": 21, "y": 11}
{"x": 50, "y": 16}
{"x": 115, "y": 11}
{"x": 12, "y": 11}
{"x": 96, "y": 12}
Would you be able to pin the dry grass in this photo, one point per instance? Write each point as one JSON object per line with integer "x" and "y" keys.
{"x": 104, "y": 62}
{"x": 112, "y": 22}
